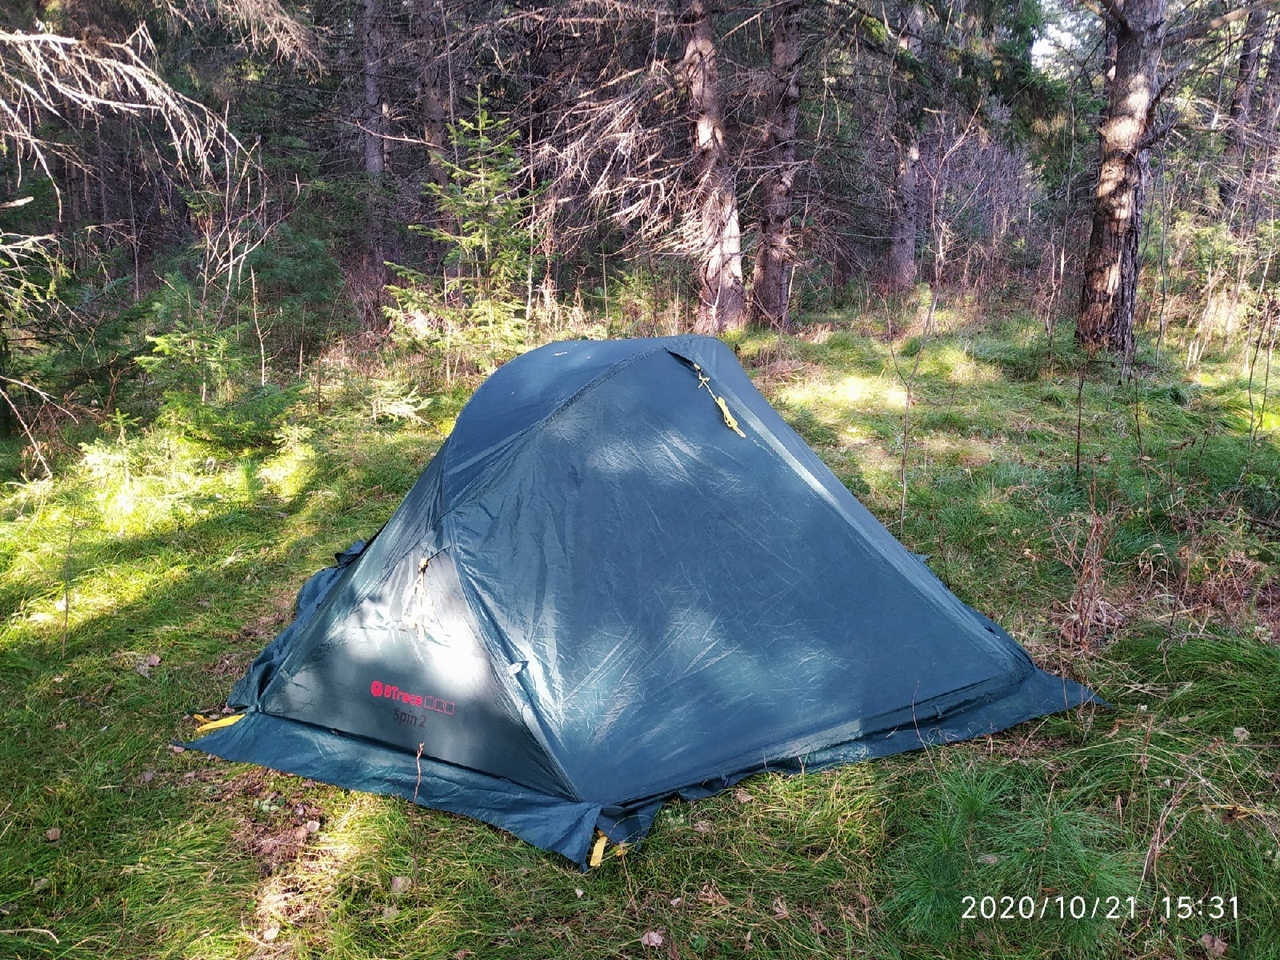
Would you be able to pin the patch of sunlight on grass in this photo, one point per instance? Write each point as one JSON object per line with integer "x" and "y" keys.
{"x": 875, "y": 394}
{"x": 867, "y": 453}
{"x": 954, "y": 362}
{"x": 136, "y": 485}
{"x": 103, "y": 593}
{"x": 854, "y": 392}
{"x": 988, "y": 828}
{"x": 347, "y": 882}
{"x": 1214, "y": 377}
{"x": 964, "y": 453}
{"x": 445, "y": 426}
{"x": 38, "y": 557}
{"x": 292, "y": 471}
{"x": 30, "y": 495}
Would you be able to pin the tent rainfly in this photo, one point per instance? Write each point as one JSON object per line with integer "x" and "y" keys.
{"x": 622, "y": 579}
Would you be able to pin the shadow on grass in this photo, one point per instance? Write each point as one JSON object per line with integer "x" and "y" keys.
{"x": 145, "y": 861}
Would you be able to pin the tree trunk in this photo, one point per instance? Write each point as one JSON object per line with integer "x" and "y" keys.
{"x": 373, "y": 127}
{"x": 1241, "y": 107}
{"x": 432, "y": 87}
{"x": 770, "y": 278}
{"x": 374, "y": 107}
{"x": 1268, "y": 114}
{"x": 899, "y": 271}
{"x": 904, "y": 210}
{"x": 432, "y": 108}
{"x": 721, "y": 297}
{"x": 1109, "y": 292}
{"x": 8, "y": 422}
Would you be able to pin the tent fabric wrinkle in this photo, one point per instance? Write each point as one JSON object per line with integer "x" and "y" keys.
{"x": 622, "y": 579}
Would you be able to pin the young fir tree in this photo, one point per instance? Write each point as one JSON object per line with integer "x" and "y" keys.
{"x": 482, "y": 208}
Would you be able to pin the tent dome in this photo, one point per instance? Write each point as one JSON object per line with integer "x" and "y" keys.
{"x": 622, "y": 578}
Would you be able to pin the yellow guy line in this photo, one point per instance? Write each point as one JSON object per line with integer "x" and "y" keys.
{"x": 206, "y": 724}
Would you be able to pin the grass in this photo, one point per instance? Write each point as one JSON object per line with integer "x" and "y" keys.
{"x": 138, "y": 584}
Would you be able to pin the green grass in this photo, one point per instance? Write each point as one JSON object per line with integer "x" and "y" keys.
{"x": 184, "y": 543}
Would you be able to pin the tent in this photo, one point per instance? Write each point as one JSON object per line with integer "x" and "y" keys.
{"x": 623, "y": 578}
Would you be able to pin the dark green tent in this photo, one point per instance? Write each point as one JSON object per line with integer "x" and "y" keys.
{"x": 623, "y": 578}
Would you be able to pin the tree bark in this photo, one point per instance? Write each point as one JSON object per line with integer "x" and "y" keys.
{"x": 8, "y": 422}
{"x": 431, "y": 95}
{"x": 899, "y": 271}
{"x": 1241, "y": 108}
{"x": 770, "y": 277}
{"x": 721, "y": 296}
{"x": 1268, "y": 113}
{"x": 904, "y": 211}
{"x": 373, "y": 129}
{"x": 373, "y": 125}
{"x": 432, "y": 92}
{"x": 1111, "y": 269}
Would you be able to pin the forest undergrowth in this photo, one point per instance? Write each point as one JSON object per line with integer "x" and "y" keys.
{"x": 1126, "y": 533}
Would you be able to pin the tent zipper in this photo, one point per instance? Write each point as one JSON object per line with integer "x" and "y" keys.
{"x": 729, "y": 420}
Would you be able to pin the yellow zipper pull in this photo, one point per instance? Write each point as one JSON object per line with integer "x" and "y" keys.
{"x": 729, "y": 420}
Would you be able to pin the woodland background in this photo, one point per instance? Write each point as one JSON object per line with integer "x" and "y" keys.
{"x": 192, "y": 183}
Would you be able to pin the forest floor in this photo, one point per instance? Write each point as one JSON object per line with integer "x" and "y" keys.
{"x": 1127, "y": 535}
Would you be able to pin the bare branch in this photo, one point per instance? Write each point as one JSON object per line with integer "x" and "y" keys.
{"x": 1198, "y": 28}
{"x": 44, "y": 76}
{"x": 269, "y": 25}
{"x": 1109, "y": 10}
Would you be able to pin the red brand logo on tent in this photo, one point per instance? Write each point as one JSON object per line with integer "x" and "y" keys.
{"x": 387, "y": 691}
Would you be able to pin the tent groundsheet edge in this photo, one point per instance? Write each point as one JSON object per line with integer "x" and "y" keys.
{"x": 552, "y": 823}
